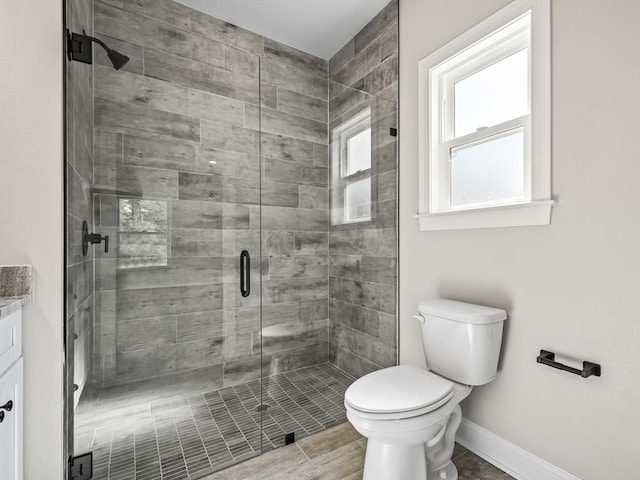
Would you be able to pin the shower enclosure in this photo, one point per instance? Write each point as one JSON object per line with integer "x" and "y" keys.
{"x": 231, "y": 235}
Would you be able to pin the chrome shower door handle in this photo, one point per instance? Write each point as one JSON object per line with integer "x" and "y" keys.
{"x": 245, "y": 274}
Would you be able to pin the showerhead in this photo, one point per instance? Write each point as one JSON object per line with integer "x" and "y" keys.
{"x": 117, "y": 59}
{"x": 79, "y": 48}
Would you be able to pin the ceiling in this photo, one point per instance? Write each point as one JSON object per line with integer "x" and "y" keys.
{"x": 319, "y": 27}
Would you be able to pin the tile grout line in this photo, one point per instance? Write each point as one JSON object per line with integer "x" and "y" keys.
{"x": 301, "y": 407}
{"x": 184, "y": 458}
{"x": 340, "y": 394}
{"x": 311, "y": 399}
{"x": 303, "y": 452}
{"x": 226, "y": 445}
{"x": 236, "y": 424}
{"x": 292, "y": 417}
{"x": 317, "y": 392}
{"x": 224, "y": 438}
{"x": 204, "y": 445}
{"x": 248, "y": 415}
{"x": 262, "y": 418}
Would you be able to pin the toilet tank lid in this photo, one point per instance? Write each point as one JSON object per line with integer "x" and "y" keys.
{"x": 460, "y": 311}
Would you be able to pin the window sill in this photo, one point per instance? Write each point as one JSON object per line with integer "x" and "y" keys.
{"x": 526, "y": 214}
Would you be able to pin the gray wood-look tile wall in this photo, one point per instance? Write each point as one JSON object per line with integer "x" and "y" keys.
{"x": 179, "y": 127}
{"x": 363, "y": 256}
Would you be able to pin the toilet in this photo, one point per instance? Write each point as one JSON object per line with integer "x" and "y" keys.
{"x": 409, "y": 414}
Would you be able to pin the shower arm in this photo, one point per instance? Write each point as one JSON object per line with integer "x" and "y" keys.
{"x": 98, "y": 41}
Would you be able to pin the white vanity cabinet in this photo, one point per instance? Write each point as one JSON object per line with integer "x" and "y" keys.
{"x": 11, "y": 391}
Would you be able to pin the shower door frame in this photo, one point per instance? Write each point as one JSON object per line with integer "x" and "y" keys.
{"x": 67, "y": 415}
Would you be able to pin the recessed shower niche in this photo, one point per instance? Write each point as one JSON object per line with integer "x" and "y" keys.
{"x": 250, "y": 275}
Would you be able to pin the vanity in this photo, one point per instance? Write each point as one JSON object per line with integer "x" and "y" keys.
{"x": 15, "y": 293}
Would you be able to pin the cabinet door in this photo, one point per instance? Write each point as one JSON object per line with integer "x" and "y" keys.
{"x": 10, "y": 341}
{"x": 11, "y": 426}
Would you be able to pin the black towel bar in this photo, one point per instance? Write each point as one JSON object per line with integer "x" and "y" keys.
{"x": 588, "y": 368}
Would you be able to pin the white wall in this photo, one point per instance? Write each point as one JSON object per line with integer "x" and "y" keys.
{"x": 31, "y": 209}
{"x": 571, "y": 287}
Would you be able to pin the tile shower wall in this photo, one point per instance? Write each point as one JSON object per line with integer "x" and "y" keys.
{"x": 363, "y": 256}
{"x": 177, "y": 188}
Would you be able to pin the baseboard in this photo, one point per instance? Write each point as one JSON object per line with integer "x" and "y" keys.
{"x": 508, "y": 457}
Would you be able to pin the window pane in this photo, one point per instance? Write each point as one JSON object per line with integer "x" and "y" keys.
{"x": 143, "y": 239}
{"x": 359, "y": 152}
{"x": 493, "y": 95}
{"x": 488, "y": 172}
{"x": 142, "y": 215}
{"x": 357, "y": 200}
{"x": 350, "y": 169}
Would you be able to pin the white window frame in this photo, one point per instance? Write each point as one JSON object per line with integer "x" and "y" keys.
{"x": 341, "y": 179}
{"x": 497, "y": 37}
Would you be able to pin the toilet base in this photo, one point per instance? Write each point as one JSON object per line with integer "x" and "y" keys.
{"x": 401, "y": 462}
{"x": 448, "y": 472}
{"x": 394, "y": 462}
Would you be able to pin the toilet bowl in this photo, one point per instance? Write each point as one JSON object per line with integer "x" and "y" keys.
{"x": 410, "y": 414}
{"x": 421, "y": 424}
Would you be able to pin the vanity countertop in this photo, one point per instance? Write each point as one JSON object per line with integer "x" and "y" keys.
{"x": 15, "y": 288}
{"x": 8, "y": 305}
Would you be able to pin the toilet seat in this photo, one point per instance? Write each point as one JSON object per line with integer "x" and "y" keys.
{"x": 398, "y": 392}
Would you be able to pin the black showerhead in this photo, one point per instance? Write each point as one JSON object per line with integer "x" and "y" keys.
{"x": 117, "y": 59}
{"x": 79, "y": 48}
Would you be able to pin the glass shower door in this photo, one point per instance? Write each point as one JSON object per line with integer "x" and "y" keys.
{"x": 170, "y": 348}
{"x": 250, "y": 274}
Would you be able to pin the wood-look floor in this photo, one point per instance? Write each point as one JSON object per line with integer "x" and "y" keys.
{"x": 337, "y": 454}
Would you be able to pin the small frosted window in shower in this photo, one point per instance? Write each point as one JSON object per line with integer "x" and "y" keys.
{"x": 143, "y": 237}
{"x": 357, "y": 200}
{"x": 351, "y": 170}
{"x": 358, "y": 152}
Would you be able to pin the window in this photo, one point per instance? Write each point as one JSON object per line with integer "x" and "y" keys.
{"x": 485, "y": 124}
{"x": 351, "y": 186}
{"x": 143, "y": 236}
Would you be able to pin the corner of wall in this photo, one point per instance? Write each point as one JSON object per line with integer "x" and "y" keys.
{"x": 31, "y": 197}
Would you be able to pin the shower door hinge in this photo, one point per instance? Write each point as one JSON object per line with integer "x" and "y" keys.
{"x": 81, "y": 467}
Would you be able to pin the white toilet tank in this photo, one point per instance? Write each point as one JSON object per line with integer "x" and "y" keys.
{"x": 461, "y": 340}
